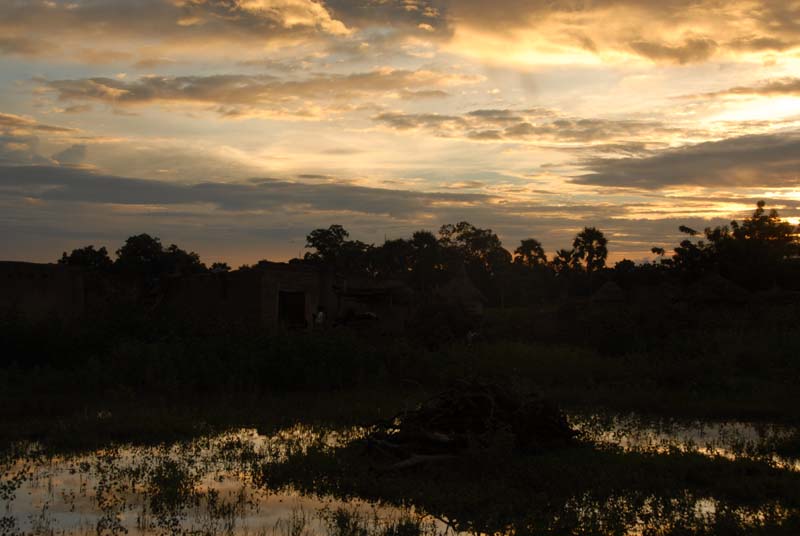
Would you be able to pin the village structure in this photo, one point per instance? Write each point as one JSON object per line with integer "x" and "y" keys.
{"x": 296, "y": 296}
{"x": 272, "y": 296}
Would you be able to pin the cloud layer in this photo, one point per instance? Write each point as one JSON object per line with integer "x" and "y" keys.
{"x": 540, "y": 125}
{"x": 672, "y": 31}
{"x": 533, "y": 117}
{"x": 262, "y": 92}
{"x": 760, "y": 160}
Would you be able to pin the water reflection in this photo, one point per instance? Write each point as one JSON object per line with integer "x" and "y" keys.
{"x": 203, "y": 486}
{"x": 731, "y": 440}
{"x": 217, "y": 485}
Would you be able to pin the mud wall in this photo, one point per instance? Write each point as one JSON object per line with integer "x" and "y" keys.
{"x": 41, "y": 291}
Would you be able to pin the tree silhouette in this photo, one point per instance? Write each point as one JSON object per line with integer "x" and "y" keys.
{"x": 625, "y": 266}
{"x": 426, "y": 259}
{"x": 691, "y": 257}
{"x": 179, "y": 262}
{"x": 776, "y": 236}
{"x": 563, "y": 261}
{"x": 88, "y": 257}
{"x": 145, "y": 256}
{"x": 141, "y": 254}
{"x": 393, "y": 259}
{"x": 473, "y": 244}
{"x": 327, "y": 244}
{"x": 530, "y": 253}
{"x": 590, "y": 246}
{"x": 754, "y": 253}
{"x": 333, "y": 250}
{"x": 220, "y": 267}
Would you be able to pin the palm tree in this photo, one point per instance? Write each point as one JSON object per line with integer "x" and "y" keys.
{"x": 530, "y": 253}
{"x": 563, "y": 260}
{"x": 590, "y": 246}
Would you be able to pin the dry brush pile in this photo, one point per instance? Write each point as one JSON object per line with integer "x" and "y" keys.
{"x": 470, "y": 415}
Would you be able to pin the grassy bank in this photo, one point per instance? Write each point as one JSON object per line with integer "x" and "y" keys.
{"x": 130, "y": 376}
{"x": 580, "y": 490}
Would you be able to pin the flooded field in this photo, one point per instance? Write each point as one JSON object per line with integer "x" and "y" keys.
{"x": 202, "y": 486}
{"x": 303, "y": 481}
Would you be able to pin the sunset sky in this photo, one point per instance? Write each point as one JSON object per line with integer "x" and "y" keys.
{"x": 234, "y": 127}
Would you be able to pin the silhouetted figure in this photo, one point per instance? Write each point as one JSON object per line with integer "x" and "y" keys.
{"x": 320, "y": 318}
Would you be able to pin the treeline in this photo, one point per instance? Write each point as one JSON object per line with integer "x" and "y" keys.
{"x": 761, "y": 251}
{"x": 141, "y": 255}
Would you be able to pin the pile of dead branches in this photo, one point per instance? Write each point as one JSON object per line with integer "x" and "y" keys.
{"x": 470, "y": 415}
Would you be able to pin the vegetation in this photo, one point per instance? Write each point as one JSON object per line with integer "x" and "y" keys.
{"x": 668, "y": 342}
{"x": 707, "y": 332}
{"x": 141, "y": 255}
{"x": 758, "y": 253}
{"x": 581, "y": 490}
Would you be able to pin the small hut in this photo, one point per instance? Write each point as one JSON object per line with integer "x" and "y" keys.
{"x": 609, "y": 293}
{"x": 715, "y": 289}
{"x": 460, "y": 291}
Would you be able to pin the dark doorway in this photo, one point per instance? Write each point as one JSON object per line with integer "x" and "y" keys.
{"x": 292, "y": 309}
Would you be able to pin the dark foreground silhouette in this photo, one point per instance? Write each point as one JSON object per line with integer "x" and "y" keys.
{"x": 715, "y": 322}
{"x": 431, "y": 338}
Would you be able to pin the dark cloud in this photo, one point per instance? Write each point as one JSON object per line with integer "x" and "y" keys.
{"x": 49, "y": 183}
{"x": 496, "y": 115}
{"x": 747, "y": 161}
{"x": 20, "y": 149}
{"x": 49, "y": 209}
{"x": 654, "y": 30}
{"x": 759, "y": 44}
{"x": 521, "y": 125}
{"x": 402, "y": 13}
{"x": 776, "y": 87}
{"x": 24, "y": 46}
{"x": 485, "y": 135}
{"x": 257, "y": 91}
{"x": 18, "y": 122}
{"x": 423, "y": 94}
{"x": 77, "y": 109}
{"x": 165, "y": 22}
{"x": 315, "y": 177}
{"x": 19, "y": 141}
{"x": 690, "y": 51}
{"x": 154, "y": 63}
{"x": 376, "y": 28}
{"x": 584, "y": 130}
{"x": 403, "y": 121}
{"x": 72, "y": 155}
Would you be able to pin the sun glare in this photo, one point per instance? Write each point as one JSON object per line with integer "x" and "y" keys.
{"x": 761, "y": 108}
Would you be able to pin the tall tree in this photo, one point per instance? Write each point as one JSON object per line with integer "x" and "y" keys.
{"x": 392, "y": 259}
{"x": 778, "y": 238}
{"x": 332, "y": 249}
{"x": 530, "y": 253}
{"x": 326, "y": 243}
{"x": 473, "y": 244}
{"x": 753, "y": 253}
{"x": 177, "y": 261}
{"x": 140, "y": 254}
{"x": 563, "y": 261}
{"x": 145, "y": 255}
{"x": 590, "y": 247}
{"x": 426, "y": 259}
